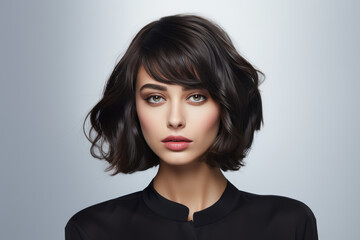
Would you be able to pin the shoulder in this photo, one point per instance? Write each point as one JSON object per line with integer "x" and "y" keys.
{"x": 100, "y": 214}
{"x": 278, "y": 217}
{"x": 280, "y": 208}
{"x": 109, "y": 206}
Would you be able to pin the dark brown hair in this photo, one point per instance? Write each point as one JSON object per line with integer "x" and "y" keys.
{"x": 191, "y": 51}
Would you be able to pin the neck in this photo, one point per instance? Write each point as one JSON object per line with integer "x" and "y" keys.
{"x": 196, "y": 185}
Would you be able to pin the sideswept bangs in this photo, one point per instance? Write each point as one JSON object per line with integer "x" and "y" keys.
{"x": 190, "y": 51}
{"x": 170, "y": 55}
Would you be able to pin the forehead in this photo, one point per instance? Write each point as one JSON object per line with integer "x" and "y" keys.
{"x": 143, "y": 78}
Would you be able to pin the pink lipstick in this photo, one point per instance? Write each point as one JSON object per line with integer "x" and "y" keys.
{"x": 176, "y": 143}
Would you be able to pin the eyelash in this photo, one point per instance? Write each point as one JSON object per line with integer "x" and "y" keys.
{"x": 199, "y": 95}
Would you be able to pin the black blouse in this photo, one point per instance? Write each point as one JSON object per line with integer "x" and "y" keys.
{"x": 236, "y": 215}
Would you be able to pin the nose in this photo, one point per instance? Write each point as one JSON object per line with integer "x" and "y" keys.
{"x": 176, "y": 118}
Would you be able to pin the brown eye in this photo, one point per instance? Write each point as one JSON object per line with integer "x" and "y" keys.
{"x": 197, "y": 98}
{"x": 154, "y": 99}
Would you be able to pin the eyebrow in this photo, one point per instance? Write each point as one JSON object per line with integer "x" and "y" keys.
{"x": 163, "y": 88}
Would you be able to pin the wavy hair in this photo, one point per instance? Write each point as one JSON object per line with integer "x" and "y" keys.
{"x": 191, "y": 51}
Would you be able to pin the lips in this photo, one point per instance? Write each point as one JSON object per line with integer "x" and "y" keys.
{"x": 172, "y": 138}
{"x": 176, "y": 143}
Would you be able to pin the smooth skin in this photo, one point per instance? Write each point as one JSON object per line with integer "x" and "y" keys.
{"x": 168, "y": 109}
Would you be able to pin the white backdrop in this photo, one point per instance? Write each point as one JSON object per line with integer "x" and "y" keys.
{"x": 55, "y": 57}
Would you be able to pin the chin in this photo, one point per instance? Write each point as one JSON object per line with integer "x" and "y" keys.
{"x": 178, "y": 161}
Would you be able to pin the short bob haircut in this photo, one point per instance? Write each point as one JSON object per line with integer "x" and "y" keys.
{"x": 190, "y": 51}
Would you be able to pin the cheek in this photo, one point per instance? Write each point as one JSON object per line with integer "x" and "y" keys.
{"x": 208, "y": 121}
{"x": 148, "y": 121}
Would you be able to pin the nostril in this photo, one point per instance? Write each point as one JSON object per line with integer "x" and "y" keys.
{"x": 176, "y": 124}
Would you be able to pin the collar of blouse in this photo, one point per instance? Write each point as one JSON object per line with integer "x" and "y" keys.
{"x": 179, "y": 212}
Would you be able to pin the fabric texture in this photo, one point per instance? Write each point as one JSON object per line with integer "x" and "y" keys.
{"x": 236, "y": 215}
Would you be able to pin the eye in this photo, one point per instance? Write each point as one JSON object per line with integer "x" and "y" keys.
{"x": 154, "y": 99}
{"x": 197, "y": 98}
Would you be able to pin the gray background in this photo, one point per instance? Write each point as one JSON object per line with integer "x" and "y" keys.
{"x": 55, "y": 57}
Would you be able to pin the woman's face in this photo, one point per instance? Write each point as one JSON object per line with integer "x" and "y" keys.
{"x": 169, "y": 111}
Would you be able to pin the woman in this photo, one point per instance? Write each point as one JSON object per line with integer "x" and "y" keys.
{"x": 184, "y": 99}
